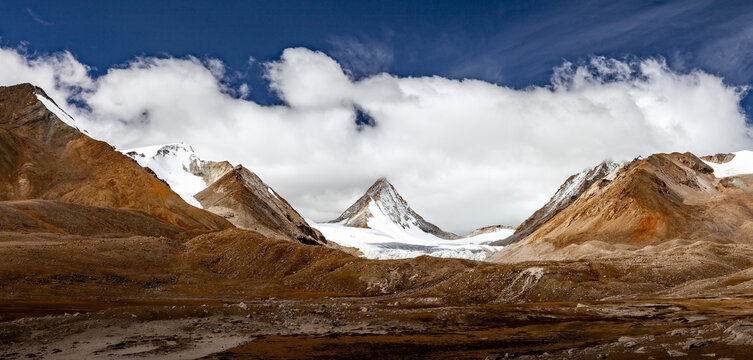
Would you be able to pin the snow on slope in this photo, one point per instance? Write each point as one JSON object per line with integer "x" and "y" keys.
{"x": 53, "y": 108}
{"x": 385, "y": 239}
{"x": 741, "y": 164}
{"x": 172, "y": 163}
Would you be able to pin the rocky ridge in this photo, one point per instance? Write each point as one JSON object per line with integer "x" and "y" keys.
{"x": 245, "y": 200}
{"x": 651, "y": 201}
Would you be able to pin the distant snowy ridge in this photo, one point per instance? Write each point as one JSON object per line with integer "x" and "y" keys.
{"x": 741, "y": 163}
{"x": 179, "y": 166}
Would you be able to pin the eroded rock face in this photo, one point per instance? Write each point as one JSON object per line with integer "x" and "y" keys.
{"x": 654, "y": 200}
{"x": 570, "y": 191}
{"x": 44, "y": 157}
{"x": 383, "y": 197}
{"x": 246, "y": 201}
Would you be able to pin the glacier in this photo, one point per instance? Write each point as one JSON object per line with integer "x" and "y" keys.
{"x": 384, "y": 239}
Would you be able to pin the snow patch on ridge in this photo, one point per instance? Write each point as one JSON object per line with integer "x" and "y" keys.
{"x": 576, "y": 183}
{"x": 62, "y": 115}
{"x": 741, "y": 164}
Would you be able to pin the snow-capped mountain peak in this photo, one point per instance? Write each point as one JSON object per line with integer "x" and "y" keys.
{"x": 382, "y": 206}
{"x": 180, "y": 167}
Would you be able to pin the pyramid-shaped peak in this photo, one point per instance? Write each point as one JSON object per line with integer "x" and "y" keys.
{"x": 382, "y": 184}
{"x": 382, "y": 201}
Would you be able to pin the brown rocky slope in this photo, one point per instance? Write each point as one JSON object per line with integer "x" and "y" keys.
{"x": 570, "y": 191}
{"x": 651, "y": 201}
{"x": 44, "y": 158}
{"x": 245, "y": 200}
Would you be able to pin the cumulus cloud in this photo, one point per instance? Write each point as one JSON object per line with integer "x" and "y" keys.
{"x": 60, "y": 74}
{"x": 465, "y": 153}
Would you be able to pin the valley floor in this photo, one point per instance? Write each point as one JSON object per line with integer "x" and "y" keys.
{"x": 375, "y": 328}
{"x": 235, "y": 294}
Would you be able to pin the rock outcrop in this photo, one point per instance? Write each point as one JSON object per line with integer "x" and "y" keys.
{"x": 246, "y": 201}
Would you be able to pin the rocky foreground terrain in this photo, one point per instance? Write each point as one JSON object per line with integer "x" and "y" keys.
{"x": 100, "y": 258}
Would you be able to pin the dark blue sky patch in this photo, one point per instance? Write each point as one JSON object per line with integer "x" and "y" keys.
{"x": 511, "y": 43}
{"x": 363, "y": 119}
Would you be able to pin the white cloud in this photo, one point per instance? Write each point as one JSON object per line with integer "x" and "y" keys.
{"x": 464, "y": 153}
{"x": 60, "y": 74}
{"x": 244, "y": 90}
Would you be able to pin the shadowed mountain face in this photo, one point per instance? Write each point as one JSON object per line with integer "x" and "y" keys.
{"x": 43, "y": 157}
{"x": 663, "y": 197}
{"x": 241, "y": 197}
{"x": 383, "y": 197}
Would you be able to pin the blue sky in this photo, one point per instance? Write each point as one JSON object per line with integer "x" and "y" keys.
{"x": 512, "y": 43}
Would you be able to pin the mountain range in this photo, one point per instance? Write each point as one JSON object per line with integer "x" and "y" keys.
{"x": 156, "y": 251}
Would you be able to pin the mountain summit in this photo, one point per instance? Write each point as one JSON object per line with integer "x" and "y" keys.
{"x": 381, "y": 202}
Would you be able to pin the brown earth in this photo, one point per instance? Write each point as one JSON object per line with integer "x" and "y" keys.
{"x": 237, "y": 294}
{"x": 35, "y": 216}
{"x": 488, "y": 229}
{"x": 44, "y": 158}
{"x": 719, "y": 158}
